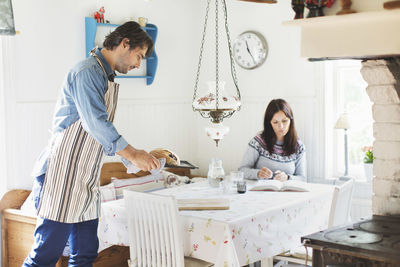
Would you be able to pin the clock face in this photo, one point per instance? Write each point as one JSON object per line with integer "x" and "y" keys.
{"x": 250, "y": 50}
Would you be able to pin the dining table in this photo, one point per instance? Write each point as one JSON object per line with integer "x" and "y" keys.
{"x": 257, "y": 226}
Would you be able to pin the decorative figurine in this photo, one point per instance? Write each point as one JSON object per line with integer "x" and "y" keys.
{"x": 99, "y": 15}
{"x": 298, "y": 7}
{"x": 142, "y": 21}
{"x": 391, "y": 4}
{"x": 315, "y": 7}
{"x": 346, "y": 7}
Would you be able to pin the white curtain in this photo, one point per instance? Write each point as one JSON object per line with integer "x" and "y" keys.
{"x": 3, "y": 125}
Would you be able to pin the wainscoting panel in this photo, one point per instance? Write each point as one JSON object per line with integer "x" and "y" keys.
{"x": 155, "y": 123}
{"x": 31, "y": 131}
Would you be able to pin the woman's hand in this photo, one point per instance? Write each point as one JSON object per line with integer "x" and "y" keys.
{"x": 264, "y": 173}
{"x": 281, "y": 176}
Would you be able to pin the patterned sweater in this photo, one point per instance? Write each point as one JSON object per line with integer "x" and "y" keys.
{"x": 257, "y": 156}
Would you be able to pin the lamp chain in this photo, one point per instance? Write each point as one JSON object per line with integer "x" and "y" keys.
{"x": 201, "y": 54}
{"x": 232, "y": 63}
{"x": 216, "y": 56}
{"x": 233, "y": 68}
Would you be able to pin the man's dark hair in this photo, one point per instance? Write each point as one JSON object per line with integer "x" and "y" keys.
{"x": 131, "y": 30}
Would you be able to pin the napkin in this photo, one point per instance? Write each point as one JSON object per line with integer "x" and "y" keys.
{"x": 132, "y": 168}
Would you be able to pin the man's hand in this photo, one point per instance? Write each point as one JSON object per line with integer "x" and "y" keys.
{"x": 264, "y": 173}
{"x": 145, "y": 161}
{"x": 140, "y": 158}
{"x": 281, "y": 176}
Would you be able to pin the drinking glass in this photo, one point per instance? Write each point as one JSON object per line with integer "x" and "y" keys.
{"x": 236, "y": 176}
{"x": 225, "y": 184}
{"x": 241, "y": 187}
{"x": 216, "y": 173}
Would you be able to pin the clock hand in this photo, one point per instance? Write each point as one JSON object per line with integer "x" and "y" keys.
{"x": 248, "y": 50}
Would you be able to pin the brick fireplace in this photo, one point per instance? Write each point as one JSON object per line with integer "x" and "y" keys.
{"x": 383, "y": 78}
{"x": 374, "y": 38}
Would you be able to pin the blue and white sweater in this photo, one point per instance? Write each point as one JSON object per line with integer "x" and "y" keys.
{"x": 257, "y": 156}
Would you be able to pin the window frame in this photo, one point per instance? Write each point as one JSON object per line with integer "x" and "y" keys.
{"x": 334, "y": 106}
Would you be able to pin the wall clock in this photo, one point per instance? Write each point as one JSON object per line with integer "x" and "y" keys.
{"x": 250, "y": 50}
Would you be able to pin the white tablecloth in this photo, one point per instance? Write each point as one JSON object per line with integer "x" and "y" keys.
{"x": 257, "y": 225}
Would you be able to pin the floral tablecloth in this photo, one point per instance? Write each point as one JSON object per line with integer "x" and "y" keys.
{"x": 258, "y": 225}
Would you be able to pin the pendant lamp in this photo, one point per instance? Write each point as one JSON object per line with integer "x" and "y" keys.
{"x": 216, "y": 104}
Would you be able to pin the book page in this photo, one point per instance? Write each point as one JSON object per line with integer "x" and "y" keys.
{"x": 276, "y": 185}
{"x": 267, "y": 185}
{"x": 293, "y": 185}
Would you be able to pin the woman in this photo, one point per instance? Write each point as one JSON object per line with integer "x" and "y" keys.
{"x": 276, "y": 153}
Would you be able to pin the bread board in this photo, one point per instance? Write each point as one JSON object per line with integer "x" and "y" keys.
{"x": 203, "y": 204}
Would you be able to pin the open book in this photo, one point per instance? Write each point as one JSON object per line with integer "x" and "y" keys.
{"x": 275, "y": 185}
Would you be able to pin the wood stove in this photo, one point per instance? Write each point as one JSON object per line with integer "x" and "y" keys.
{"x": 374, "y": 242}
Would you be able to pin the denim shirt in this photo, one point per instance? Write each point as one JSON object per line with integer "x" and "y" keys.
{"x": 82, "y": 97}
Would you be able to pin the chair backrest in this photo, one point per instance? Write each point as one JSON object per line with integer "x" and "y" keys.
{"x": 154, "y": 232}
{"x": 341, "y": 204}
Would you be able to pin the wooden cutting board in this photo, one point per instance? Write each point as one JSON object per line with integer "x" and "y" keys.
{"x": 203, "y": 204}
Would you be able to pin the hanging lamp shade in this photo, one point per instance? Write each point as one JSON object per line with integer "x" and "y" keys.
{"x": 216, "y": 103}
{"x": 217, "y": 132}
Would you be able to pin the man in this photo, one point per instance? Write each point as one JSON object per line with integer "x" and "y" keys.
{"x": 66, "y": 186}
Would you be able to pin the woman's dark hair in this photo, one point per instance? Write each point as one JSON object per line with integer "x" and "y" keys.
{"x": 131, "y": 30}
{"x": 268, "y": 134}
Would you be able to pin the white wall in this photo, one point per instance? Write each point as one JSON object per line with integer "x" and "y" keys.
{"x": 3, "y": 150}
{"x": 52, "y": 40}
{"x": 283, "y": 75}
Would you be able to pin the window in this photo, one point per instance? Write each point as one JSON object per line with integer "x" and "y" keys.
{"x": 347, "y": 93}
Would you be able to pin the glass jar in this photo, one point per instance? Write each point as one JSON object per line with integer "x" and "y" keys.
{"x": 216, "y": 173}
{"x": 210, "y": 171}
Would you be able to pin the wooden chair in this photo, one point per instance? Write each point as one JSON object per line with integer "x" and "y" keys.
{"x": 339, "y": 214}
{"x": 154, "y": 233}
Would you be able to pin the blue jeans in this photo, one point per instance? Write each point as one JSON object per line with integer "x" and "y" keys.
{"x": 50, "y": 238}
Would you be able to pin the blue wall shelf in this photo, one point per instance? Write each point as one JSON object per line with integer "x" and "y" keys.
{"x": 152, "y": 61}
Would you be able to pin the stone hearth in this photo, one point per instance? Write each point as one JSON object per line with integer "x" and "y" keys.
{"x": 383, "y": 78}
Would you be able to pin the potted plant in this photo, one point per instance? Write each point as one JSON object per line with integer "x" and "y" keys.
{"x": 368, "y": 162}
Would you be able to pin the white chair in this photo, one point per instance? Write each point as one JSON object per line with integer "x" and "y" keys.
{"x": 154, "y": 232}
{"x": 339, "y": 214}
{"x": 341, "y": 204}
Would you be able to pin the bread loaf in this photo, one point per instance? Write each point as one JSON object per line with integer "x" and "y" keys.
{"x": 171, "y": 158}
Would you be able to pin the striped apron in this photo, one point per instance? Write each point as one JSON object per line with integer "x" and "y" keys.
{"x": 70, "y": 192}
